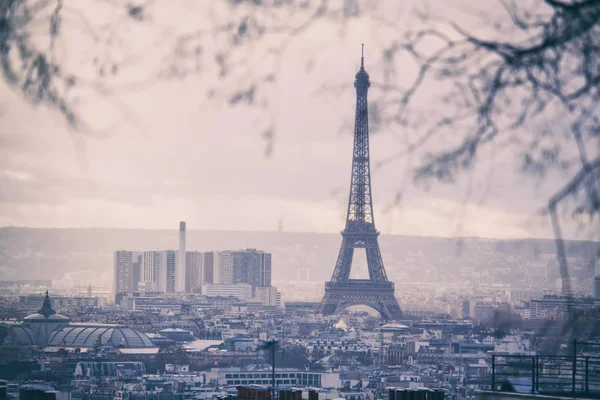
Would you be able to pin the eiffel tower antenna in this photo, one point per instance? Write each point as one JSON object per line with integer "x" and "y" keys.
{"x": 360, "y": 233}
{"x": 362, "y": 56}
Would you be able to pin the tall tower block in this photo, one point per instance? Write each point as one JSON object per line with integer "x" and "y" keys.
{"x": 180, "y": 275}
{"x": 360, "y": 233}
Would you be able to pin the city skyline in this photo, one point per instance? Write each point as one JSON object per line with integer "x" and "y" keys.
{"x": 244, "y": 273}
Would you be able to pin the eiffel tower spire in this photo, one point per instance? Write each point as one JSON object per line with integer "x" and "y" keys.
{"x": 360, "y": 233}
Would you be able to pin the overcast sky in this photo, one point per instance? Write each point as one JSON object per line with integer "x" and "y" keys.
{"x": 160, "y": 153}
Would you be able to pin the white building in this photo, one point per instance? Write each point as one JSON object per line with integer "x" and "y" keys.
{"x": 150, "y": 270}
{"x": 223, "y": 268}
{"x": 166, "y": 278}
{"x": 242, "y": 291}
{"x": 180, "y": 275}
{"x": 283, "y": 377}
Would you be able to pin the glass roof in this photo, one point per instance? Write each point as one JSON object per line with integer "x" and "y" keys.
{"x": 89, "y": 336}
{"x": 24, "y": 335}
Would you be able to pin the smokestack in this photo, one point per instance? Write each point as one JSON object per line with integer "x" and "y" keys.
{"x": 180, "y": 275}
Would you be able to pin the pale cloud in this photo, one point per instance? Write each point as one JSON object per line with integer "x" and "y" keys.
{"x": 155, "y": 156}
{"x": 18, "y": 175}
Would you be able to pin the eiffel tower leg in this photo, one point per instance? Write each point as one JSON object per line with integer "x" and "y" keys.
{"x": 344, "y": 261}
{"x": 374, "y": 261}
{"x": 329, "y": 305}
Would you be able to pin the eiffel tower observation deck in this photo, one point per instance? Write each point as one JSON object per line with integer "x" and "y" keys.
{"x": 359, "y": 233}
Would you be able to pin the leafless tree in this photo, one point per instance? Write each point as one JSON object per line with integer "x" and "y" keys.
{"x": 502, "y": 92}
{"x": 220, "y": 48}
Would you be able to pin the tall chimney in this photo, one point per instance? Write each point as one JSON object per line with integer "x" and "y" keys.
{"x": 180, "y": 274}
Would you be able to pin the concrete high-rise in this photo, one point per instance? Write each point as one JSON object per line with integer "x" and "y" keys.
{"x": 165, "y": 280}
{"x": 243, "y": 264}
{"x": 466, "y": 308}
{"x": 150, "y": 271}
{"x": 223, "y": 268}
{"x": 597, "y": 281}
{"x": 123, "y": 272}
{"x": 208, "y": 267}
{"x": 137, "y": 262}
{"x": 251, "y": 266}
{"x": 180, "y": 273}
{"x": 263, "y": 276}
{"x": 194, "y": 271}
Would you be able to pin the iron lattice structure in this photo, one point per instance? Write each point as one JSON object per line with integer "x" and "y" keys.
{"x": 360, "y": 233}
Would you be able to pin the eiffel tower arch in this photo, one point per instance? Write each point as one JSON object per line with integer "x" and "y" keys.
{"x": 359, "y": 233}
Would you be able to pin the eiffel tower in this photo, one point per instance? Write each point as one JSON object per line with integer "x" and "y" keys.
{"x": 360, "y": 233}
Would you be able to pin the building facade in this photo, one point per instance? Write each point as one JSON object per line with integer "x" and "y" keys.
{"x": 269, "y": 296}
{"x": 150, "y": 271}
{"x": 223, "y": 268}
{"x": 484, "y": 312}
{"x": 466, "y": 308}
{"x": 208, "y": 267}
{"x": 194, "y": 273}
{"x": 251, "y": 266}
{"x": 180, "y": 275}
{"x": 167, "y": 267}
{"x": 283, "y": 377}
{"x": 242, "y": 291}
{"x": 123, "y": 272}
{"x": 551, "y": 306}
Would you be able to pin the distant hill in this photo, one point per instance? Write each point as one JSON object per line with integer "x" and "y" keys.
{"x": 52, "y": 253}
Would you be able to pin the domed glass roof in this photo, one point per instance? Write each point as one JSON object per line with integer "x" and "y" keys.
{"x": 42, "y": 318}
{"x": 87, "y": 336}
{"x": 22, "y": 335}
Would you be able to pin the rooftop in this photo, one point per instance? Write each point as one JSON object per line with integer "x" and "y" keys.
{"x": 46, "y": 314}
